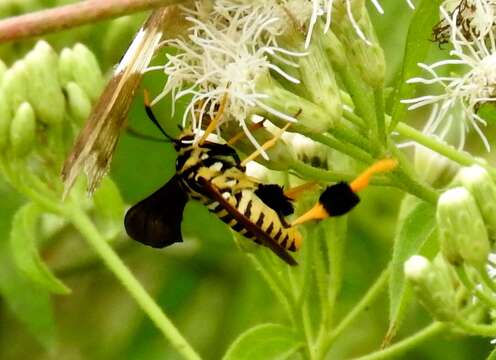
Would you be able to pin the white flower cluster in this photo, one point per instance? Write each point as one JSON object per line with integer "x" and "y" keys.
{"x": 474, "y": 57}
{"x": 227, "y": 50}
{"x": 231, "y": 47}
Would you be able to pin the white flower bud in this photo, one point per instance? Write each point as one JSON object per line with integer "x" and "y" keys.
{"x": 432, "y": 289}
{"x": 461, "y": 228}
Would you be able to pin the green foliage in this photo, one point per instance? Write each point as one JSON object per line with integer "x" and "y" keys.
{"x": 417, "y": 224}
{"x": 416, "y": 50}
{"x": 266, "y": 341}
{"x": 205, "y": 294}
{"x": 23, "y": 238}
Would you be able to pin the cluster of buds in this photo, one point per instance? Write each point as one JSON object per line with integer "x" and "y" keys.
{"x": 466, "y": 229}
{"x": 45, "y": 98}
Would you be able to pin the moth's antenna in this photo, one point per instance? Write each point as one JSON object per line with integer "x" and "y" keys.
{"x": 153, "y": 118}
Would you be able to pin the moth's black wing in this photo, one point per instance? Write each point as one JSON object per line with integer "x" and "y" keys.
{"x": 242, "y": 219}
{"x": 156, "y": 220}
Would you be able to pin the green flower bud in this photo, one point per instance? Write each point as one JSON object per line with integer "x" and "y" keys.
{"x": 462, "y": 231}
{"x": 78, "y": 102}
{"x": 483, "y": 189}
{"x": 307, "y": 150}
{"x": 14, "y": 84}
{"x": 86, "y": 72}
{"x": 5, "y": 120}
{"x": 44, "y": 91}
{"x": 433, "y": 289}
{"x": 317, "y": 75}
{"x": 66, "y": 65}
{"x": 363, "y": 49}
{"x": 430, "y": 165}
{"x": 334, "y": 48}
{"x": 284, "y": 102}
{"x": 23, "y": 130}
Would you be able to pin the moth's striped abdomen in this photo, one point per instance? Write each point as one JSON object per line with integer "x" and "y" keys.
{"x": 262, "y": 216}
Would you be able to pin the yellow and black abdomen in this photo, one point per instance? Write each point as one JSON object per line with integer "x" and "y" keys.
{"x": 260, "y": 215}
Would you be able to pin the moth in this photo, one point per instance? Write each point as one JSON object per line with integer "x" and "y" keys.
{"x": 213, "y": 174}
{"x": 206, "y": 171}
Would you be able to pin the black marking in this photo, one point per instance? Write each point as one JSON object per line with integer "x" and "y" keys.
{"x": 338, "y": 199}
{"x": 248, "y": 209}
{"x": 273, "y": 196}
{"x": 278, "y": 235}
{"x": 237, "y": 227}
{"x": 259, "y": 234}
{"x": 270, "y": 228}
{"x": 284, "y": 242}
{"x": 260, "y": 220}
{"x": 292, "y": 247}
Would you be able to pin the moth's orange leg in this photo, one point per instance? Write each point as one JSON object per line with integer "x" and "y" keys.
{"x": 340, "y": 198}
{"x": 215, "y": 121}
{"x": 295, "y": 192}
{"x": 382, "y": 166}
{"x": 267, "y": 145}
{"x": 238, "y": 136}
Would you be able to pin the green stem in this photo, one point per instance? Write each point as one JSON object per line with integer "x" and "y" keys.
{"x": 336, "y": 244}
{"x": 373, "y": 292}
{"x": 475, "y": 329}
{"x": 415, "y": 187}
{"x": 312, "y": 173}
{"x": 469, "y": 284}
{"x": 358, "y": 92}
{"x": 379, "y": 113}
{"x": 449, "y": 151}
{"x": 486, "y": 279}
{"x": 275, "y": 283}
{"x": 84, "y": 225}
{"x": 406, "y": 344}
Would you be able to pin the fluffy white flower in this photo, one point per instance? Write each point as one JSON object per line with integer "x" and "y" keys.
{"x": 323, "y": 8}
{"x": 476, "y": 85}
{"x": 475, "y": 19}
{"x": 221, "y": 61}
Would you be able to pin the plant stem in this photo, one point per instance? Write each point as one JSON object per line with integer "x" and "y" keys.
{"x": 449, "y": 151}
{"x": 379, "y": 113}
{"x": 65, "y": 17}
{"x": 475, "y": 329}
{"x": 312, "y": 173}
{"x": 367, "y": 299}
{"x": 469, "y": 284}
{"x": 84, "y": 225}
{"x": 406, "y": 344}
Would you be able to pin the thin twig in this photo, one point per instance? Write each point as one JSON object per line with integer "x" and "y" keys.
{"x": 65, "y": 17}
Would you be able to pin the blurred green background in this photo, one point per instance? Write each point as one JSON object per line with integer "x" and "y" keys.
{"x": 206, "y": 285}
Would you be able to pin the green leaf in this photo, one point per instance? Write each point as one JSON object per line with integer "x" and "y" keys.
{"x": 492, "y": 355}
{"x": 29, "y": 303}
{"x": 417, "y": 223}
{"x": 264, "y": 342}
{"x": 109, "y": 208}
{"x": 25, "y": 253}
{"x": 416, "y": 49}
